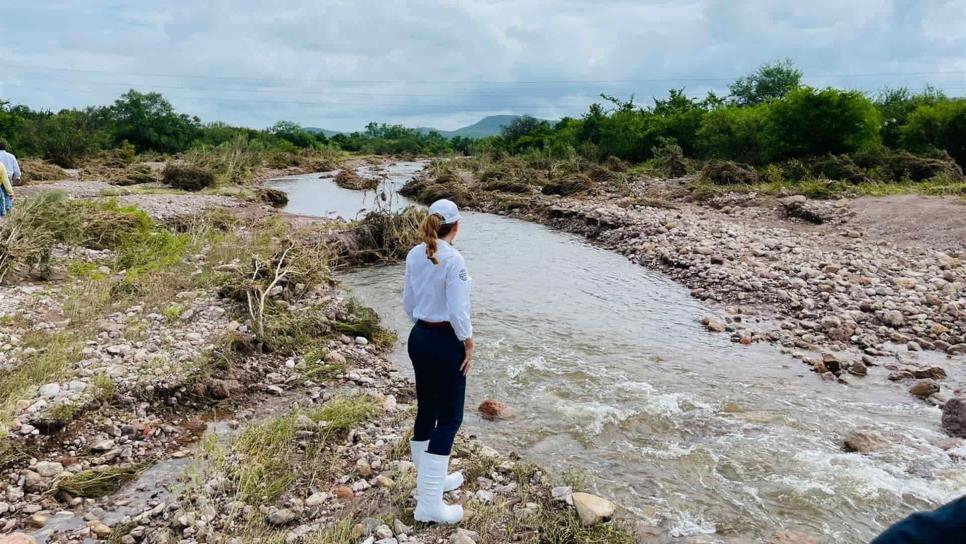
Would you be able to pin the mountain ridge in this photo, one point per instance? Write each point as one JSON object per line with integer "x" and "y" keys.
{"x": 491, "y": 125}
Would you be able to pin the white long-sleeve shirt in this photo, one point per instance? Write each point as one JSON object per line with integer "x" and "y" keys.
{"x": 10, "y": 162}
{"x": 438, "y": 292}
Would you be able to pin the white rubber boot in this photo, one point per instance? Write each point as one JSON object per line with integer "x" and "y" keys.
{"x": 430, "y": 507}
{"x": 418, "y": 449}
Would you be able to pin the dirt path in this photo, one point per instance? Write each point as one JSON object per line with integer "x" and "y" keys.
{"x": 912, "y": 220}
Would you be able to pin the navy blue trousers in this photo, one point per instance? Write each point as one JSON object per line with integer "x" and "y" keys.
{"x": 947, "y": 525}
{"x": 437, "y": 355}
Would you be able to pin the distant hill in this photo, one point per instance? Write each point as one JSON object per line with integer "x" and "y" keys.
{"x": 325, "y": 132}
{"x": 487, "y": 126}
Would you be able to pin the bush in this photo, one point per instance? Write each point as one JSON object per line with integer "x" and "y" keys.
{"x": 721, "y": 172}
{"x": 188, "y": 177}
{"x": 733, "y": 134}
{"x": 811, "y": 122}
{"x": 938, "y": 126}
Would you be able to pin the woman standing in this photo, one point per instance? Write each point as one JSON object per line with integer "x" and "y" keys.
{"x": 436, "y": 297}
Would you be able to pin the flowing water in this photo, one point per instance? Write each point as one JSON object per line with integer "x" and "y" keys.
{"x": 610, "y": 373}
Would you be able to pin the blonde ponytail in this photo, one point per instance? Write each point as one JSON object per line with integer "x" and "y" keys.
{"x": 429, "y": 229}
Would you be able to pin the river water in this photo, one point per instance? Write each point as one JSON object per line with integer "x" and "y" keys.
{"x": 611, "y": 374}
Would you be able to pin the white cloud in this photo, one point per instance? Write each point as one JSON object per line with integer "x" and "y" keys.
{"x": 339, "y": 64}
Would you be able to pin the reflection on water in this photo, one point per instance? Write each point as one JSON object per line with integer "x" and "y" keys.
{"x": 610, "y": 372}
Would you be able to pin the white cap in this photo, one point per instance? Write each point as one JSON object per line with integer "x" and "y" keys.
{"x": 447, "y": 209}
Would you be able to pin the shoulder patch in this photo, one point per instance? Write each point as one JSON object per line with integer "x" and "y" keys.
{"x": 463, "y": 275}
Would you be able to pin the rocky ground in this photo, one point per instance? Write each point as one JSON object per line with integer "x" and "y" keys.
{"x": 143, "y": 403}
{"x": 824, "y": 280}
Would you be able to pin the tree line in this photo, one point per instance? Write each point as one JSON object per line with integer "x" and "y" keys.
{"x": 767, "y": 117}
{"x": 149, "y": 123}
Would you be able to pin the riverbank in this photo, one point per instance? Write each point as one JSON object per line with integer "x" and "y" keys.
{"x": 196, "y": 376}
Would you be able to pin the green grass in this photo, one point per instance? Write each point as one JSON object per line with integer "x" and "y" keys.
{"x": 55, "y": 352}
{"x": 271, "y": 460}
{"x": 98, "y": 482}
{"x": 173, "y": 312}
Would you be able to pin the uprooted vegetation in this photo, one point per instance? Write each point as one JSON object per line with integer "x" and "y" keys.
{"x": 349, "y": 179}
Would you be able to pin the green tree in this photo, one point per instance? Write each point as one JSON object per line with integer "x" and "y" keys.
{"x": 938, "y": 126}
{"x": 768, "y": 82}
{"x": 294, "y": 133}
{"x": 65, "y": 137}
{"x": 149, "y": 122}
{"x": 895, "y": 106}
{"x": 811, "y": 122}
{"x": 734, "y": 133}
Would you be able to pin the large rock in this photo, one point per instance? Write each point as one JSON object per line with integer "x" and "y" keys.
{"x": 493, "y": 410}
{"x": 48, "y": 469}
{"x": 865, "y": 441}
{"x": 593, "y": 509}
{"x": 924, "y": 388}
{"x": 954, "y": 416}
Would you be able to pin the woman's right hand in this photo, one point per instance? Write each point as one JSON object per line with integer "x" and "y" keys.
{"x": 470, "y": 346}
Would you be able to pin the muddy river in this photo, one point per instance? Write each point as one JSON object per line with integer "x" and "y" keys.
{"x": 612, "y": 375}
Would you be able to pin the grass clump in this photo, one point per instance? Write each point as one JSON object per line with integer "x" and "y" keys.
{"x": 188, "y": 177}
{"x": 54, "y": 352}
{"x": 98, "y": 482}
{"x": 271, "y": 460}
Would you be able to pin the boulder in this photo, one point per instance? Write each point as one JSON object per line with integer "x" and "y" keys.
{"x": 924, "y": 388}
{"x": 954, "y": 416}
{"x": 493, "y": 410}
{"x": 865, "y": 441}
{"x": 713, "y": 324}
{"x": 593, "y": 509}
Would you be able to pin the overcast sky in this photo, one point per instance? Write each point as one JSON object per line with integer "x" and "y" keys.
{"x": 340, "y": 64}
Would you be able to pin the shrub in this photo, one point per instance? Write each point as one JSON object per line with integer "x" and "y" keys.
{"x": 812, "y": 122}
{"x": 670, "y": 157}
{"x": 721, "y": 172}
{"x": 938, "y": 126}
{"x": 188, "y": 177}
{"x": 733, "y": 134}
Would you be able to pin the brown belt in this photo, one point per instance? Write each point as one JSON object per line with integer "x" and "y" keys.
{"x": 435, "y": 325}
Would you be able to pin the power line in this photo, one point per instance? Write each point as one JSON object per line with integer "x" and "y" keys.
{"x": 462, "y": 82}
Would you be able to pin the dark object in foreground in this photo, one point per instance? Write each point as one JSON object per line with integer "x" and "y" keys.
{"x": 947, "y": 525}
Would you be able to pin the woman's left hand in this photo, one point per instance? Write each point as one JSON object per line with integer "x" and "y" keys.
{"x": 470, "y": 346}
